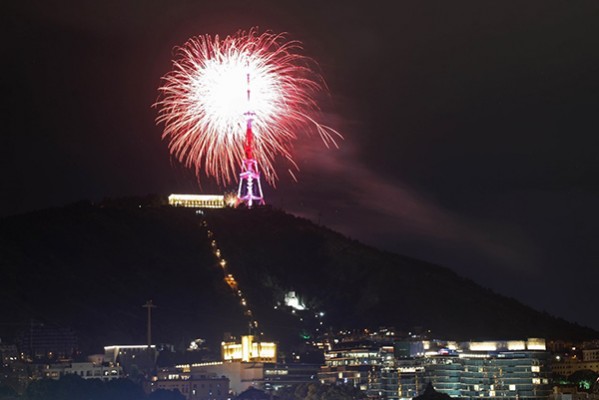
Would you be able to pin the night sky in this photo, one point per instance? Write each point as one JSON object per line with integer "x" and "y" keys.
{"x": 471, "y": 128}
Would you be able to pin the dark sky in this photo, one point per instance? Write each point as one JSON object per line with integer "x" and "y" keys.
{"x": 470, "y": 127}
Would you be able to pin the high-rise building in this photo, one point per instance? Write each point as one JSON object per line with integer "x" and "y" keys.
{"x": 445, "y": 373}
{"x": 487, "y": 370}
{"x": 357, "y": 363}
{"x": 43, "y": 342}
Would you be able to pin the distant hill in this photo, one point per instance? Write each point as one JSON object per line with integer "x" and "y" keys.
{"x": 91, "y": 267}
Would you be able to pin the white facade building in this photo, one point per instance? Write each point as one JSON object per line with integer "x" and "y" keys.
{"x": 85, "y": 370}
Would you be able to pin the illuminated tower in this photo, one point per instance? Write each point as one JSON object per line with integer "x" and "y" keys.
{"x": 250, "y": 189}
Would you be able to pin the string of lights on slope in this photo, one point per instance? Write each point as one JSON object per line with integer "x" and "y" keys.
{"x": 230, "y": 279}
{"x": 293, "y": 304}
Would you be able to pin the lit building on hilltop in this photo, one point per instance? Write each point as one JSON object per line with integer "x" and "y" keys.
{"x": 293, "y": 301}
{"x": 197, "y": 200}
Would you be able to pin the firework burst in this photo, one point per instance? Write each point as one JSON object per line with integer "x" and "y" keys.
{"x": 205, "y": 102}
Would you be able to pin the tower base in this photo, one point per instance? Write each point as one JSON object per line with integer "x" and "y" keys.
{"x": 250, "y": 189}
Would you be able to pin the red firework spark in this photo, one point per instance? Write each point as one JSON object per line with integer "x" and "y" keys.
{"x": 204, "y": 102}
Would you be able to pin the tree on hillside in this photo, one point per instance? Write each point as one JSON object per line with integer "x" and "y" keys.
{"x": 73, "y": 387}
{"x": 431, "y": 394}
{"x": 8, "y": 393}
{"x": 320, "y": 391}
{"x": 584, "y": 379}
{"x": 162, "y": 394}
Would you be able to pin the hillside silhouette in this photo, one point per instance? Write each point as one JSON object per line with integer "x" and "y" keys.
{"x": 91, "y": 267}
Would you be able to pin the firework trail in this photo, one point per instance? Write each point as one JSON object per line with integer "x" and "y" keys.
{"x": 205, "y": 102}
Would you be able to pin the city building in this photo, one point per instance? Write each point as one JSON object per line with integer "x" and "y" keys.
{"x": 140, "y": 357}
{"x": 279, "y": 375}
{"x": 517, "y": 369}
{"x": 405, "y": 379}
{"x": 590, "y": 355}
{"x": 241, "y": 375}
{"x": 575, "y": 357}
{"x": 249, "y": 351}
{"x": 193, "y": 385}
{"x": 248, "y": 364}
{"x": 43, "y": 342}
{"x": 469, "y": 370}
{"x": 86, "y": 370}
{"x": 8, "y": 354}
{"x": 364, "y": 364}
{"x": 566, "y": 367}
{"x": 13, "y": 370}
{"x": 243, "y": 363}
{"x": 573, "y": 392}
{"x": 444, "y": 371}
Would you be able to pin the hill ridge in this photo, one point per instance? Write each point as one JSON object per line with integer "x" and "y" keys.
{"x": 91, "y": 267}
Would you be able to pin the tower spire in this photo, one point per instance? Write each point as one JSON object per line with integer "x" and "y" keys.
{"x": 250, "y": 188}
